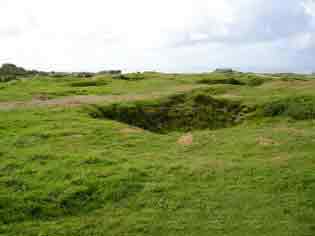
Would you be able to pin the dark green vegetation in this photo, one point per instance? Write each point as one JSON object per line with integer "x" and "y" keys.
{"x": 65, "y": 173}
{"x": 10, "y": 72}
{"x": 89, "y": 83}
{"x": 183, "y": 112}
{"x": 222, "y": 81}
{"x": 299, "y": 107}
{"x": 235, "y": 79}
{"x": 130, "y": 77}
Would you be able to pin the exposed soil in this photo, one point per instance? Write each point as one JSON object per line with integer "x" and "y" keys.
{"x": 186, "y": 140}
{"x": 266, "y": 141}
{"x": 133, "y": 130}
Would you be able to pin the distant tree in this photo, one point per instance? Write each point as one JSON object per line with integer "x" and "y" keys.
{"x": 11, "y": 69}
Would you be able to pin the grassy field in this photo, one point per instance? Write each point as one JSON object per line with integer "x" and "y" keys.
{"x": 72, "y": 169}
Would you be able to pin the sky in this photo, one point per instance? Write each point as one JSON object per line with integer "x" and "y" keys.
{"x": 159, "y": 35}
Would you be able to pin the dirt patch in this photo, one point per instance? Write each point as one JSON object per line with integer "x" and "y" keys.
{"x": 133, "y": 130}
{"x": 266, "y": 76}
{"x": 280, "y": 160}
{"x": 186, "y": 140}
{"x": 294, "y": 131}
{"x": 230, "y": 96}
{"x": 41, "y": 97}
{"x": 267, "y": 141}
{"x": 296, "y": 84}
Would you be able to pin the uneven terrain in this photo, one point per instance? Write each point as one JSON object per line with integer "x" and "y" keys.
{"x": 158, "y": 154}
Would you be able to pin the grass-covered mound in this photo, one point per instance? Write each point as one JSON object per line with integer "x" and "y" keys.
{"x": 183, "y": 112}
{"x": 296, "y": 107}
{"x": 234, "y": 79}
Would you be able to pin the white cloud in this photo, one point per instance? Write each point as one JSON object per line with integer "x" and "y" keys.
{"x": 309, "y": 6}
{"x": 180, "y": 35}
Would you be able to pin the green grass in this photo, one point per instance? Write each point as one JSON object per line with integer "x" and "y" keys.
{"x": 32, "y": 88}
{"x": 65, "y": 173}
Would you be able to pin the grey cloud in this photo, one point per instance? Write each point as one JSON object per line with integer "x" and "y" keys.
{"x": 266, "y": 20}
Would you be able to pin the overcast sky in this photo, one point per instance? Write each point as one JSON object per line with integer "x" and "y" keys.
{"x": 163, "y": 35}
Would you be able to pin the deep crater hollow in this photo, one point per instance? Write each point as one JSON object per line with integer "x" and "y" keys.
{"x": 183, "y": 112}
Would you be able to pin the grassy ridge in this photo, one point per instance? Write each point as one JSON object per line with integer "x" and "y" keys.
{"x": 32, "y": 88}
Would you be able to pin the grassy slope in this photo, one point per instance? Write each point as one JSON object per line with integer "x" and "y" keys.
{"x": 65, "y": 173}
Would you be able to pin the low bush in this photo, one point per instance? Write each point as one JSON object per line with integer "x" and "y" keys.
{"x": 231, "y": 81}
{"x": 129, "y": 77}
{"x": 299, "y": 108}
{"x": 253, "y": 80}
{"x": 11, "y": 69}
{"x": 7, "y": 78}
{"x": 88, "y": 83}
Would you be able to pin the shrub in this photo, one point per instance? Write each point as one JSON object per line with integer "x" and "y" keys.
{"x": 83, "y": 74}
{"x": 11, "y": 69}
{"x": 90, "y": 83}
{"x": 7, "y": 78}
{"x": 299, "y": 108}
{"x": 231, "y": 81}
{"x": 130, "y": 77}
{"x": 253, "y": 80}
